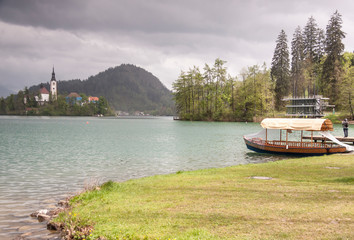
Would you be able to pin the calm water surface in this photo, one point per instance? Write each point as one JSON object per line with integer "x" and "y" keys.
{"x": 43, "y": 159}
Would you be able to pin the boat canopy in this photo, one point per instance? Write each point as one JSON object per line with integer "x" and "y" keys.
{"x": 298, "y": 124}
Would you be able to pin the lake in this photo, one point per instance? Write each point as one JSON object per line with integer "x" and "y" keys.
{"x": 45, "y": 159}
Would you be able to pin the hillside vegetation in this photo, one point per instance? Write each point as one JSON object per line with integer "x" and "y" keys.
{"x": 126, "y": 87}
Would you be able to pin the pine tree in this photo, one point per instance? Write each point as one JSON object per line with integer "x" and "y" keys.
{"x": 220, "y": 78}
{"x": 181, "y": 95}
{"x": 320, "y": 46}
{"x": 332, "y": 67}
{"x": 334, "y": 36}
{"x": 208, "y": 78}
{"x": 310, "y": 39}
{"x": 280, "y": 69}
{"x": 297, "y": 62}
{"x": 313, "y": 52}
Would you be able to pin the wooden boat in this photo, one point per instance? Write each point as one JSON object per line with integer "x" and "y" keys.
{"x": 285, "y": 146}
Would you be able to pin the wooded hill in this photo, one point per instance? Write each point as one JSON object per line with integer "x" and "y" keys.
{"x": 127, "y": 88}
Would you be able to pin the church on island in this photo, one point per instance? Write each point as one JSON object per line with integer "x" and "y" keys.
{"x": 45, "y": 96}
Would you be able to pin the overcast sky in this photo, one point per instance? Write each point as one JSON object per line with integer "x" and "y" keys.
{"x": 84, "y": 37}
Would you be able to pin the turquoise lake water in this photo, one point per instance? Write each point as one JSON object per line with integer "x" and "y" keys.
{"x": 45, "y": 159}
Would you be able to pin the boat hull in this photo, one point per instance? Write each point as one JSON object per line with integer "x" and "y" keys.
{"x": 261, "y": 146}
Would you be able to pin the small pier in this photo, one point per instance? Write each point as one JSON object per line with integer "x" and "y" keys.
{"x": 321, "y": 138}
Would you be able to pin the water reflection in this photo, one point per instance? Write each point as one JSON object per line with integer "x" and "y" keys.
{"x": 255, "y": 157}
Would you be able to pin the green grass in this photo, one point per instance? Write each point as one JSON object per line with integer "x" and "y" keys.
{"x": 307, "y": 198}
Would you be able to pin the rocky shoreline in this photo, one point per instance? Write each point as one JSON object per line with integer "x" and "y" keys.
{"x": 45, "y": 215}
{"x": 48, "y": 215}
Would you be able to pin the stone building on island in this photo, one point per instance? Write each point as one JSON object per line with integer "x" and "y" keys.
{"x": 43, "y": 96}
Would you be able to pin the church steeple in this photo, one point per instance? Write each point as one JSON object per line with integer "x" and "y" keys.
{"x": 53, "y": 86}
{"x": 53, "y": 75}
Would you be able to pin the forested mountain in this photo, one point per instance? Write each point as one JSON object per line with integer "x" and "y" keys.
{"x": 126, "y": 87}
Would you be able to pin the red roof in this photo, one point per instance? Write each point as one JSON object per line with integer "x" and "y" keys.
{"x": 43, "y": 90}
{"x": 73, "y": 94}
{"x": 93, "y": 99}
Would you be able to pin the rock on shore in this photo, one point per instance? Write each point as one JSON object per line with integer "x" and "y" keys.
{"x": 45, "y": 215}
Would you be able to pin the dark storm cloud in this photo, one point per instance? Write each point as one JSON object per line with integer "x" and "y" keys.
{"x": 242, "y": 19}
{"x": 83, "y": 37}
{"x": 239, "y": 18}
{"x": 147, "y": 16}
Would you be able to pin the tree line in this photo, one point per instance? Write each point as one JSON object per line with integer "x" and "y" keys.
{"x": 24, "y": 103}
{"x": 318, "y": 66}
{"x": 214, "y": 95}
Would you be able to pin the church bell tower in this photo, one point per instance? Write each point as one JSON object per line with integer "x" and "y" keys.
{"x": 53, "y": 86}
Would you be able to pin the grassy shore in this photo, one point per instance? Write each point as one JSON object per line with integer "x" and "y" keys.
{"x": 307, "y": 198}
